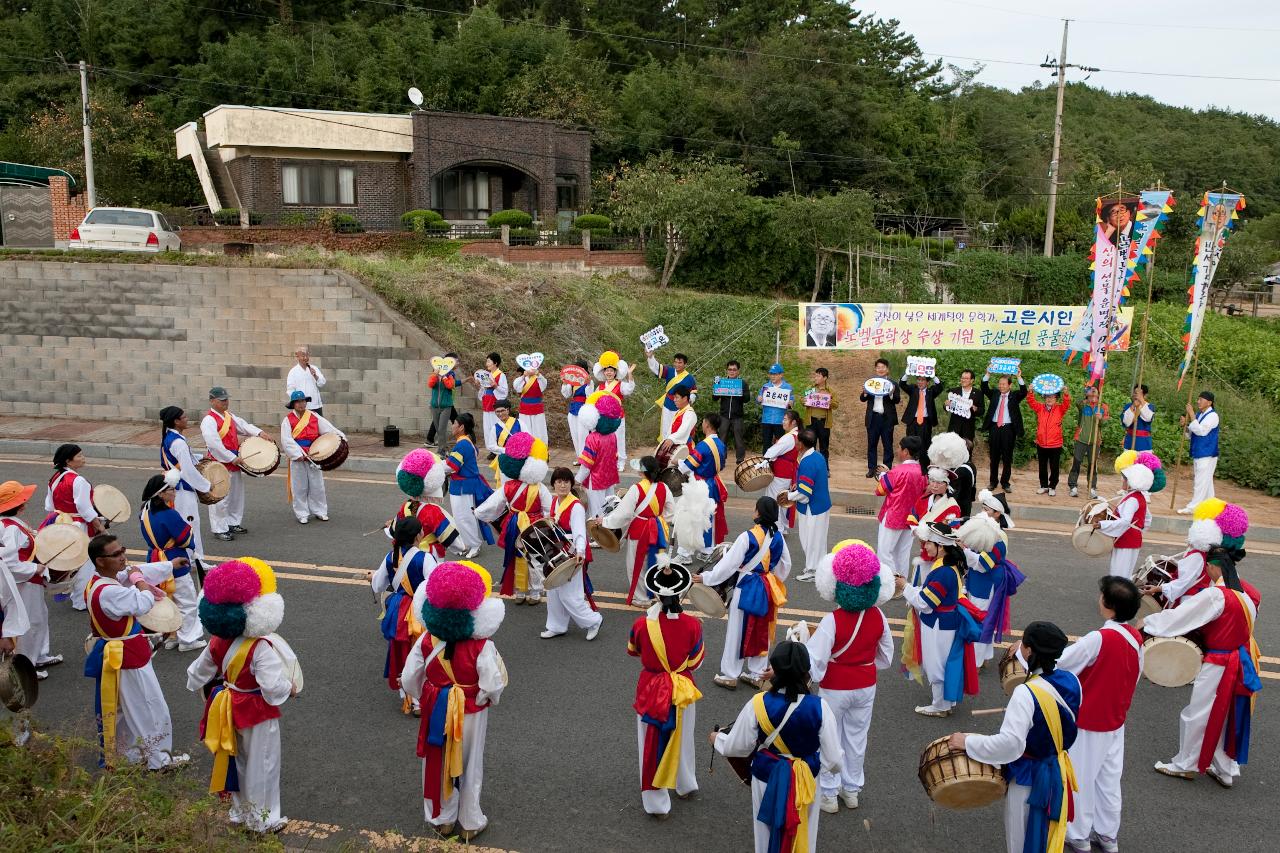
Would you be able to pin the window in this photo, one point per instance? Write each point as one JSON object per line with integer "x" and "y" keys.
{"x": 110, "y": 216}
{"x": 461, "y": 193}
{"x": 319, "y": 185}
{"x": 567, "y": 192}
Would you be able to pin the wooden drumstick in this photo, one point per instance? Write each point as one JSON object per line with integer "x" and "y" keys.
{"x": 982, "y": 712}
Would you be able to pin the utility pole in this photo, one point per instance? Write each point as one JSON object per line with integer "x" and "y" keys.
{"x": 1060, "y": 70}
{"x": 90, "y": 191}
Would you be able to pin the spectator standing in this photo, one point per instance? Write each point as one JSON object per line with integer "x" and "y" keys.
{"x": 1137, "y": 417}
{"x": 920, "y": 415}
{"x": 966, "y": 426}
{"x": 773, "y": 405}
{"x": 1083, "y": 453}
{"x": 731, "y": 407}
{"x": 442, "y": 385}
{"x": 1004, "y": 421}
{"x": 307, "y": 378}
{"x": 881, "y": 418}
{"x": 1049, "y": 414}
{"x": 1202, "y": 429}
{"x": 820, "y": 419}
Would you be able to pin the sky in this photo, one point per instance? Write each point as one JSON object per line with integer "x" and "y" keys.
{"x": 1230, "y": 38}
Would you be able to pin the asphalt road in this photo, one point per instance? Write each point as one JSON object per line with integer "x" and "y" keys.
{"x": 561, "y": 768}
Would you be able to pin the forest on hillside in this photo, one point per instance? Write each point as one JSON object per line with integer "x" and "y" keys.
{"x": 807, "y": 97}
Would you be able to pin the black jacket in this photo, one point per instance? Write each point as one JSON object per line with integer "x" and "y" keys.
{"x": 912, "y": 391}
{"x": 1016, "y": 396}
{"x": 890, "y": 405}
{"x": 731, "y": 407}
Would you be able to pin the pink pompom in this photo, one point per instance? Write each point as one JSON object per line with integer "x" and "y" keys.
{"x": 453, "y": 586}
{"x": 609, "y": 407}
{"x": 232, "y": 582}
{"x": 855, "y": 565}
{"x": 1149, "y": 460}
{"x": 1233, "y": 521}
{"x": 519, "y": 445}
{"x": 418, "y": 462}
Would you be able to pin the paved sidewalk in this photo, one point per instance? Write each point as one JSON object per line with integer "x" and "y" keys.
{"x": 849, "y": 486}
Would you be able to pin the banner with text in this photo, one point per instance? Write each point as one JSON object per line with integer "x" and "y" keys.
{"x": 902, "y": 326}
{"x": 1218, "y": 214}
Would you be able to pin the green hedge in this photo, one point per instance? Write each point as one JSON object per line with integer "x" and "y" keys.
{"x": 592, "y": 222}
{"x": 514, "y": 218}
{"x": 345, "y": 223}
{"x": 422, "y": 220}
{"x": 231, "y": 216}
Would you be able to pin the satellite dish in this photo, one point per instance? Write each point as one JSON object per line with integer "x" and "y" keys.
{"x": 415, "y": 95}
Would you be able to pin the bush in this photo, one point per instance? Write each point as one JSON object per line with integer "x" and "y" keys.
{"x": 345, "y": 223}
{"x": 231, "y": 216}
{"x": 298, "y": 219}
{"x": 529, "y": 233}
{"x": 420, "y": 220}
{"x": 514, "y": 218}
{"x": 592, "y": 222}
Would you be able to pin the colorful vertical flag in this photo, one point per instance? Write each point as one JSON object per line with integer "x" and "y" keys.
{"x": 1218, "y": 214}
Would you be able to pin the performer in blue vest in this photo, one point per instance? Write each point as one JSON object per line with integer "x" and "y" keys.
{"x": 705, "y": 463}
{"x": 467, "y": 487}
{"x": 1202, "y": 429}
{"x": 1137, "y": 417}
{"x": 169, "y": 538}
{"x": 175, "y": 454}
{"x": 813, "y": 499}
{"x": 1039, "y": 727}
{"x": 672, "y": 376}
{"x": 791, "y": 735}
{"x": 400, "y": 574}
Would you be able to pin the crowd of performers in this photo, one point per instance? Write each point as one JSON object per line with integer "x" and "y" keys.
{"x": 800, "y": 741}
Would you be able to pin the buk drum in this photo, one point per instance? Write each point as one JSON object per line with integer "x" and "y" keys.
{"x": 1086, "y": 538}
{"x": 669, "y": 455}
{"x": 711, "y": 600}
{"x": 111, "y": 504}
{"x": 548, "y": 550}
{"x": 219, "y": 481}
{"x": 954, "y": 780}
{"x": 674, "y": 479}
{"x": 259, "y": 457}
{"x": 329, "y": 451}
{"x": 1171, "y": 661}
{"x": 753, "y": 474}
{"x": 1153, "y": 572}
{"x": 1012, "y": 672}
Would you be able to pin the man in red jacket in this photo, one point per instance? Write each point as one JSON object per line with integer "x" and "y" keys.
{"x": 1049, "y": 414}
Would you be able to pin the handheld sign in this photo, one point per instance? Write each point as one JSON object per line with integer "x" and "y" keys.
{"x": 959, "y": 406}
{"x": 723, "y": 386}
{"x": 573, "y": 375}
{"x": 483, "y": 378}
{"x": 1004, "y": 366}
{"x": 919, "y": 365}
{"x": 440, "y": 365}
{"x": 775, "y": 397}
{"x": 529, "y": 360}
{"x": 817, "y": 399}
{"x": 1048, "y": 383}
{"x": 878, "y": 387}
{"x": 654, "y": 338}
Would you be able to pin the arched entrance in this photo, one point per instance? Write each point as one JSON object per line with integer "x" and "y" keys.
{"x": 473, "y": 190}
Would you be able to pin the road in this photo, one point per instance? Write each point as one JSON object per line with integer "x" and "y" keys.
{"x": 561, "y": 769}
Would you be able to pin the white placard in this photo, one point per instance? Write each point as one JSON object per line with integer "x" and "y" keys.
{"x": 817, "y": 400}
{"x": 878, "y": 387}
{"x": 959, "y": 406}
{"x": 483, "y": 378}
{"x": 919, "y": 365}
{"x": 654, "y": 338}
{"x": 775, "y": 396}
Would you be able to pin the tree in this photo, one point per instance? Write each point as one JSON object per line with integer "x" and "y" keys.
{"x": 675, "y": 201}
{"x": 823, "y": 222}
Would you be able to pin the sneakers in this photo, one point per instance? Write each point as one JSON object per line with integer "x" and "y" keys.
{"x": 547, "y": 635}
{"x": 322, "y": 518}
{"x": 41, "y": 674}
{"x": 472, "y": 554}
{"x": 52, "y": 660}
{"x": 1041, "y": 490}
{"x": 830, "y": 805}
{"x": 1093, "y": 493}
{"x": 225, "y": 536}
{"x": 1224, "y": 781}
{"x": 682, "y": 559}
{"x": 1009, "y": 489}
{"x": 806, "y": 576}
{"x": 1053, "y": 493}
{"x": 748, "y": 678}
{"x": 237, "y": 529}
{"x": 170, "y": 644}
{"x": 1077, "y": 847}
{"x": 594, "y": 630}
{"x": 931, "y": 711}
{"x": 1075, "y": 493}
{"x": 726, "y": 683}
{"x": 1107, "y": 844}
{"x": 303, "y": 520}
{"x": 191, "y": 647}
{"x": 850, "y": 799}
{"x": 533, "y": 600}
{"x": 1167, "y": 769}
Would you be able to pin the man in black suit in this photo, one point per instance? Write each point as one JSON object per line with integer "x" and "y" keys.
{"x": 882, "y": 417}
{"x": 921, "y": 412}
{"x": 964, "y": 427}
{"x": 1004, "y": 422}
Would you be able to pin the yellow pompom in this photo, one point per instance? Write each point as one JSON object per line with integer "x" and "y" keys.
{"x": 483, "y": 573}
{"x": 265, "y": 573}
{"x": 539, "y": 450}
{"x": 845, "y": 543}
{"x": 595, "y": 396}
{"x": 1208, "y": 509}
{"x": 1126, "y": 459}
{"x": 609, "y": 358}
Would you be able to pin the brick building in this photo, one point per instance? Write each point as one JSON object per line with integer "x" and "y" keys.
{"x": 376, "y": 166}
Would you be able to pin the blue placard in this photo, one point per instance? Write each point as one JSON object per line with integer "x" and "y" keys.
{"x": 1004, "y": 366}
{"x": 1047, "y": 383}
{"x": 723, "y": 386}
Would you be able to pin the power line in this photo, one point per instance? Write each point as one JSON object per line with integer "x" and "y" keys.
{"x": 1146, "y": 24}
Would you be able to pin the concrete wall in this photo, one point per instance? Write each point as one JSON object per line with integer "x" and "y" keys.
{"x": 231, "y": 126}
{"x": 120, "y": 342}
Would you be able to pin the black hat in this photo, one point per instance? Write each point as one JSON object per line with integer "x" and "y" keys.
{"x": 1047, "y": 641}
{"x": 665, "y": 578}
{"x": 171, "y": 413}
{"x": 1206, "y": 395}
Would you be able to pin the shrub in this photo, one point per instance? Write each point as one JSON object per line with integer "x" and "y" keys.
{"x": 345, "y": 223}
{"x": 231, "y": 216}
{"x": 298, "y": 219}
{"x": 527, "y": 233}
{"x": 514, "y": 218}
{"x": 420, "y": 220}
{"x": 592, "y": 222}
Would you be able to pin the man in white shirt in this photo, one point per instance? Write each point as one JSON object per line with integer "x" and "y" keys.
{"x": 307, "y": 378}
{"x": 221, "y": 430}
{"x": 1202, "y": 429}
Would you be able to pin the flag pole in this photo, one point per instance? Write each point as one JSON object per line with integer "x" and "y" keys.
{"x": 1182, "y": 441}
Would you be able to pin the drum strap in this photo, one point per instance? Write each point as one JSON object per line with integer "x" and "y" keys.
{"x": 1129, "y": 637}
{"x": 224, "y": 423}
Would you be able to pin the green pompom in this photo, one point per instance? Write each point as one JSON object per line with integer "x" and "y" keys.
{"x": 1158, "y": 480}
{"x": 509, "y": 466}
{"x": 448, "y": 625}
{"x": 856, "y": 598}
{"x": 222, "y": 620}
{"x": 604, "y": 426}
{"x": 410, "y": 484}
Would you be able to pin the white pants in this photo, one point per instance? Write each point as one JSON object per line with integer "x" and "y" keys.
{"x": 622, "y": 445}
{"x": 641, "y": 593}
{"x": 535, "y": 424}
{"x": 853, "y": 713}
{"x": 576, "y": 434}
{"x": 1015, "y": 816}
{"x": 813, "y": 537}
{"x": 569, "y": 601}
{"x": 257, "y": 803}
{"x": 490, "y": 422}
{"x": 667, "y": 417}
{"x": 894, "y": 548}
{"x": 982, "y": 652}
{"x": 1193, "y": 722}
{"x": 230, "y": 510}
{"x": 34, "y": 644}
{"x": 144, "y": 731}
{"x": 1202, "y": 478}
{"x": 659, "y": 801}
{"x": 463, "y": 806}
{"x": 595, "y": 501}
{"x": 1098, "y": 758}
{"x": 762, "y": 830}
{"x": 1123, "y": 562}
{"x": 464, "y": 516}
{"x": 778, "y": 486}
{"x": 731, "y": 660}
{"x": 935, "y": 645}
{"x": 307, "y": 482}
{"x": 188, "y": 601}
{"x": 188, "y": 506}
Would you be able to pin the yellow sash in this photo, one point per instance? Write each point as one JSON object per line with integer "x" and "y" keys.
{"x": 169, "y": 585}
{"x": 1255, "y": 652}
{"x": 219, "y": 728}
{"x": 301, "y": 425}
{"x": 415, "y": 626}
{"x": 671, "y": 383}
{"x": 296, "y": 431}
{"x": 502, "y": 441}
{"x": 683, "y": 694}
{"x": 454, "y": 716}
{"x": 649, "y": 495}
{"x": 802, "y": 777}
{"x": 109, "y": 681}
{"x": 225, "y": 426}
{"x": 1053, "y": 719}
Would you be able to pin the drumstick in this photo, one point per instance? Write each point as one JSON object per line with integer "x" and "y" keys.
{"x": 982, "y": 712}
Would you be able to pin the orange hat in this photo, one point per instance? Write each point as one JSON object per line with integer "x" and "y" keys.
{"x": 14, "y": 494}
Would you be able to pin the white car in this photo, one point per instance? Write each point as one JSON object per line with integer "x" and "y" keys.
{"x": 125, "y": 229}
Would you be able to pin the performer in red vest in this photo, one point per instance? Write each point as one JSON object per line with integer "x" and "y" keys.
{"x": 22, "y": 582}
{"x": 644, "y": 514}
{"x": 1132, "y": 513}
{"x": 784, "y": 459}
{"x": 1213, "y": 730}
{"x": 70, "y": 497}
{"x": 845, "y": 653}
{"x": 221, "y": 430}
{"x": 571, "y": 600}
{"x": 522, "y": 500}
{"x": 299, "y": 429}
{"x": 1108, "y": 663}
